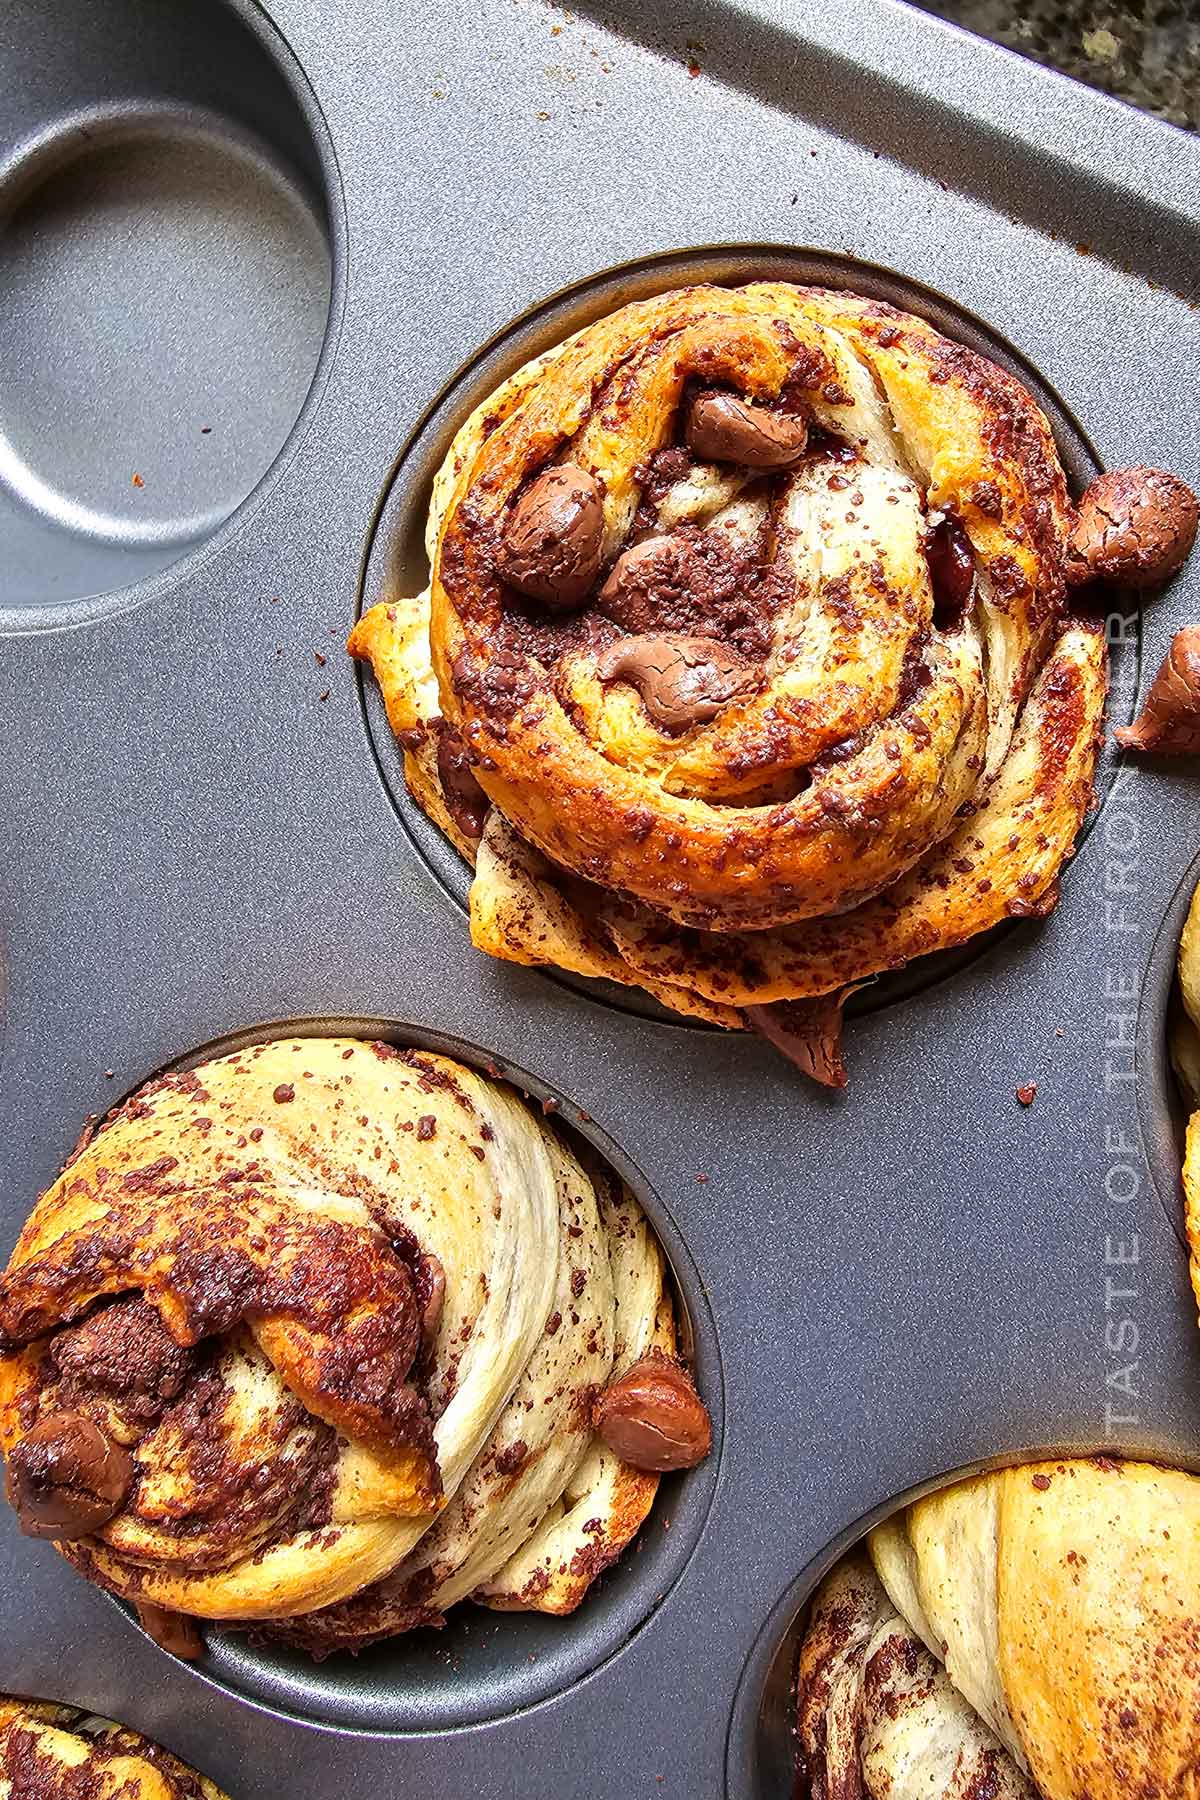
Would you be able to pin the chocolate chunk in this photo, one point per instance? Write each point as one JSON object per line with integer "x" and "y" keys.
{"x": 553, "y": 539}
{"x": 653, "y": 1418}
{"x": 951, "y": 571}
{"x": 172, "y": 1631}
{"x": 67, "y": 1478}
{"x": 465, "y": 800}
{"x": 697, "y": 583}
{"x": 807, "y": 1032}
{"x": 634, "y": 572}
{"x": 1169, "y": 722}
{"x": 683, "y": 681}
{"x": 726, "y": 428}
{"x": 1133, "y": 526}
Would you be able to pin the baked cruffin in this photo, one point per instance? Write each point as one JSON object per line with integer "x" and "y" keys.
{"x": 317, "y": 1337}
{"x": 1184, "y": 1030}
{"x": 745, "y": 671}
{"x": 58, "y": 1753}
{"x": 1027, "y": 1633}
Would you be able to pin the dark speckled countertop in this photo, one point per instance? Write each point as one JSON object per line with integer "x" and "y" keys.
{"x": 1144, "y": 51}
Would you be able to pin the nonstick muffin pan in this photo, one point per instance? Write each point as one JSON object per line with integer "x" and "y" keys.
{"x": 206, "y": 834}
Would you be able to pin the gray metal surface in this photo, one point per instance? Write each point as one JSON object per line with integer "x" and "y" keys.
{"x": 887, "y": 1285}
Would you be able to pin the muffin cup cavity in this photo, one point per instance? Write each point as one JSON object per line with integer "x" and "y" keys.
{"x": 167, "y": 251}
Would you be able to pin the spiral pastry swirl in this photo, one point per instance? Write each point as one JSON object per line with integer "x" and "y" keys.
{"x": 1028, "y": 1635}
{"x": 311, "y": 1337}
{"x": 744, "y": 672}
{"x": 1184, "y": 1040}
{"x": 58, "y": 1751}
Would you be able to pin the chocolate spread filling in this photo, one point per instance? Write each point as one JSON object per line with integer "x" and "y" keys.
{"x": 541, "y": 566}
{"x": 808, "y": 1032}
{"x": 697, "y": 581}
{"x": 122, "y": 1350}
{"x": 951, "y": 571}
{"x": 465, "y": 799}
{"x": 35, "y": 1773}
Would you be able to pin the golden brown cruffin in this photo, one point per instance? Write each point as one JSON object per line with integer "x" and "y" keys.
{"x": 1185, "y": 1055}
{"x": 1030, "y": 1632}
{"x": 809, "y": 721}
{"x": 309, "y": 1338}
{"x": 57, "y": 1750}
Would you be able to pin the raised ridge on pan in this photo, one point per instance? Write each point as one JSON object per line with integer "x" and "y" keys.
{"x": 483, "y": 1665}
{"x": 761, "y": 1746}
{"x": 395, "y": 560}
{"x": 865, "y": 71}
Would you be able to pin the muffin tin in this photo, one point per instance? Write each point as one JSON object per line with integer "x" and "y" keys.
{"x": 208, "y": 837}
